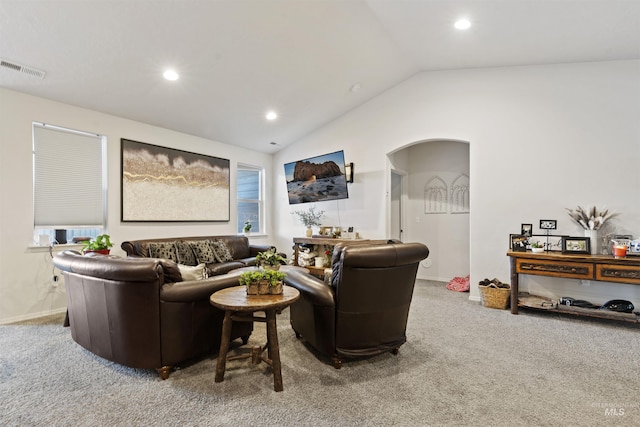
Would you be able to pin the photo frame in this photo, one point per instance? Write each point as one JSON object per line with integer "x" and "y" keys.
{"x": 576, "y": 245}
{"x": 326, "y": 230}
{"x": 518, "y": 242}
{"x": 548, "y": 224}
{"x": 160, "y": 184}
{"x": 526, "y": 229}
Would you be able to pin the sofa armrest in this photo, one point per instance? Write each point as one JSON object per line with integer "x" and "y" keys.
{"x": 196, "y": 290}
{"x": 312, "y": 288}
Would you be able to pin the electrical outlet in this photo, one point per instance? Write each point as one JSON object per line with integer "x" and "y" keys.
{"x": 54, "y": 283}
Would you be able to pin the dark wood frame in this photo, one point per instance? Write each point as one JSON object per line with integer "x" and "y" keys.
{"x": 211, "y": 181}
{"x": 520, "y": 238}
{"x": 586, "y": 240}
{"x": 524, "y": 232}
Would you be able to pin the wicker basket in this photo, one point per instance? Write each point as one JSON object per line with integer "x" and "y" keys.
{"x": 495, "y": 297}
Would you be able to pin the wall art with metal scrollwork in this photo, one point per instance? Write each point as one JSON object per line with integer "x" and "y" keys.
{"x": 440, "y": 198}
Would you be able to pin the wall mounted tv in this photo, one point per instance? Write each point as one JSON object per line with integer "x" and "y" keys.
{"x": 316, "y": 179}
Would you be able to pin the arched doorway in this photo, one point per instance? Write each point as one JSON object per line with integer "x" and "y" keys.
{"x": 434, "y": 208}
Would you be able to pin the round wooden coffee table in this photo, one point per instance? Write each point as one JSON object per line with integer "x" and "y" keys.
{"x": 235, "y": 302}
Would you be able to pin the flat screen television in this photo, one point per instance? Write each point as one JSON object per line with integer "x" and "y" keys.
{"x": 316, "y": 179}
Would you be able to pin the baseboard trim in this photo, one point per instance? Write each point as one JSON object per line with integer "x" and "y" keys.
{"x": 32, "y": 316}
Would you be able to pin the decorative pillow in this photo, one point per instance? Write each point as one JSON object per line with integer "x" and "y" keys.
{"x": 202, "y": 250}
{"x": 171, "y": 271}
{"x": 188, "y": 272}
{"x": 162, "y": 250}
{"x": 184, "y": 254}
{"x": 221, "y": 251}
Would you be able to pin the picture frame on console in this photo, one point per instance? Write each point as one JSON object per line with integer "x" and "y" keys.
{"x": 576, "y": 245}
{"x": 161, "y": 184}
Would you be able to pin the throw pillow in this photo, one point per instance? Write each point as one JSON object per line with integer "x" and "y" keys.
{"x": 193, "y": 273}
{"x": 221, "y": 251}
{"x": 184, "y": 254}
{"x": 162, "y": 250}
{"x": 202, "y": 250}
{"x": 171, "y": 271}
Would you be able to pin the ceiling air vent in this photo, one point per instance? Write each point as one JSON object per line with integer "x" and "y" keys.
{"x": 22, "y": 69}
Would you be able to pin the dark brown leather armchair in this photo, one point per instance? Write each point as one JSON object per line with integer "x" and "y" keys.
{"x": 138, "y": 312}
{"x": 364, "y": 310}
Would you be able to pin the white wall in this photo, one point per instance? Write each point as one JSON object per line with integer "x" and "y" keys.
{"x": 25, "y": 272}
{"x": 541, "y": 139}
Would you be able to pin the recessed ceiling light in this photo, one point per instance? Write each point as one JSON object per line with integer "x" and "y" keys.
{"x": 170, "y": 75}
{"x": 462, "y": 24}
{"x": 271, "y": 115}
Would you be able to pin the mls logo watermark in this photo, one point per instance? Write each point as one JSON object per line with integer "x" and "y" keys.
{"x": 614, "y": 412}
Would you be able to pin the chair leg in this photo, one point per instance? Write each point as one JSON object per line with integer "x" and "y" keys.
{"x": 298, "y": 335}
{"x": 395, "y": 351}
{"x": 337, "y": 362}
{"x": 245, "y": 339}
{"x": 164, "y": 372}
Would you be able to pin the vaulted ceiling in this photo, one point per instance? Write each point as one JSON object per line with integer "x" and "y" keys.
{"x": 309, "y": 60}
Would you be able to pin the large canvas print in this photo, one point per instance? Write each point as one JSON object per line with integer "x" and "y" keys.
{"x": 316, "y": 179}
{"x": 165, "y": 184}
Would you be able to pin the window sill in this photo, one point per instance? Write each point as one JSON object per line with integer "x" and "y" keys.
{"x": 54, "y": 248}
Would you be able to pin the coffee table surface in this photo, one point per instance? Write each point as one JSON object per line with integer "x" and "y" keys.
{"x": 236, "y": 299}
{"x": 283, "y": 268}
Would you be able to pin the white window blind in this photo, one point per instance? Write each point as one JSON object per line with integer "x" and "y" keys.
{"x": 68, "y": 178}
{"x": 249, "y": 198}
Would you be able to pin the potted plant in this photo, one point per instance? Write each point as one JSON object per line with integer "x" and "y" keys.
{"x": 310, "y": 218}
{"x": 100, "y": 244}
{"x": 537, "y": 246}
{"x": 270, "y": 259}
{"x": 247, "y": 227}
{"x": 262, "y": 282}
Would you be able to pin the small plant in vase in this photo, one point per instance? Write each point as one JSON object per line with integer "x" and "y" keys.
{"x": 270, "y": 259}
{"x": 537, "y": 246}
{"x": 101, "y": 244}
{"x": 310, "y": 218}
{"x": 247, "y": 227}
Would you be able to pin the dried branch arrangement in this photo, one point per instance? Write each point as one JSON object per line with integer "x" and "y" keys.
{"x": 590, "y": 218}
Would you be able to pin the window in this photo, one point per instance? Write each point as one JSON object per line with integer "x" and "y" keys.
{"x": 249, "y": 198}
{"x": 69, "y": 181}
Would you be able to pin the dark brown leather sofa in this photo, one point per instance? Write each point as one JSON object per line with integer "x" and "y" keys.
{"x": 242, "y": 252}
{"x": 364, "y": 310}
{"x": 138, "y": 312}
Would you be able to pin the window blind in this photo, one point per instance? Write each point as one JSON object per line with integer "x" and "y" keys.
{"x": 68, "y": 178}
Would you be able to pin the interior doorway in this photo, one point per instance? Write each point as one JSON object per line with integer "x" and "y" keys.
{"x": 425, "y": 168}
{"x": 397, "y": 217}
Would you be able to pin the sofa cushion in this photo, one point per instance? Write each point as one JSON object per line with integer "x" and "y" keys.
{"x": 189, "y": 272}
{"x": 203, "y": 251}
{"x": 163, "y": 250}
{"x": 221, "y": 251}
{"x": 184, "y": 254}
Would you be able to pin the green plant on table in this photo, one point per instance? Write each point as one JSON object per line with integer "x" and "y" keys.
{"x": 269, "y": 257}
{"x": 536, "y": 244}
{"x": 271, "y": 276}
{"x": 99, "y": 243}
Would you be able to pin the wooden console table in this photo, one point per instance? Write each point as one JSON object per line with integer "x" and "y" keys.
{"x": 604, "y": 268}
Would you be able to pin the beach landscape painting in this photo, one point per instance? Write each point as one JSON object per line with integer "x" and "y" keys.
{"x": 165, "y": 184}
{"x": 316, "y": 179}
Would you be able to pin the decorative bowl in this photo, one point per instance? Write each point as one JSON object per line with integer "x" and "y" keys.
{"x": 537, "y": 250}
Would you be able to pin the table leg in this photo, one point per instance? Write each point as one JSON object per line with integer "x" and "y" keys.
{"x": 274, "y": 349}
{"x": 514, "y": 286}
{"x": 224, "y": 346}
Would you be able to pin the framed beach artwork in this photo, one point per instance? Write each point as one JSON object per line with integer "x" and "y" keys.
{"x": 163, "y": 184}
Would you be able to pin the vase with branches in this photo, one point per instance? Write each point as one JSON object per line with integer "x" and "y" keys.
{"x": 310, "y": 218}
